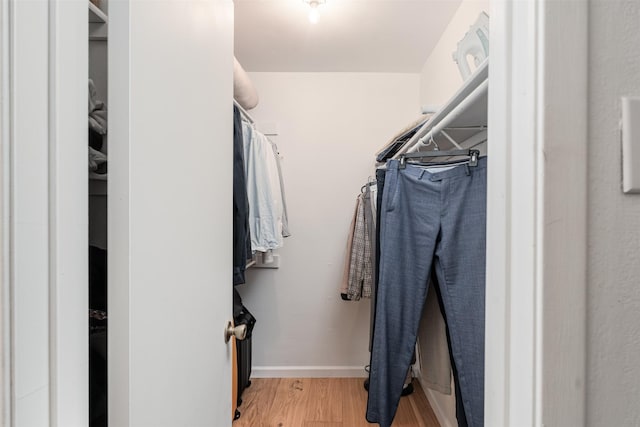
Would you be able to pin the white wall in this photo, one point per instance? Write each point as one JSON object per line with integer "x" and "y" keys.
{"x": 440, "y": 77}
{"x": 330, "y": 126}
{"x": 613, "y": 373}
{"x": 439, "y": 80}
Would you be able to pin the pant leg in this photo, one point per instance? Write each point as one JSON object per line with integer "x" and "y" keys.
{"x": 460, "y": 267}
{"x": 460, "y": 415}
{"x": 410, "y": 221}
{"x": 380, "y": 176}
{"x": 435, "y": 350}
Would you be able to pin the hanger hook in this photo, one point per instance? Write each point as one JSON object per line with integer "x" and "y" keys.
{"x": 432, "y": 141}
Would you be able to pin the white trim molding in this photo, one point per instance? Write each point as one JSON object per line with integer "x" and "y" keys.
{"x": 308, "y": 372}
{"x": 119, "y": 265}
{"x": 536, "y": 227}
{"x": 44, "y": 213}
{"x": 444, "y": 418}
{"x": 5, "y": 254}
{"x": 29, "y": 212}
{"x": 68, "y": 214}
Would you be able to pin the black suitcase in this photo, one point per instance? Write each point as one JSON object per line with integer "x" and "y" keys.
{"x": 244, "y": 366}
{"x": 242, "y": 316}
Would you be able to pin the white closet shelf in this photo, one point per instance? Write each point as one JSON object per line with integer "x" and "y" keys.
{"x": 467, "y": 107}
{"x": 96, "y": 15}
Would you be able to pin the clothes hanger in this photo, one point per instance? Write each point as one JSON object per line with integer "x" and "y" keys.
{"x": 473, "y": 156}
{"x": 370, "y": 183}
{"x": 434, "y": 143}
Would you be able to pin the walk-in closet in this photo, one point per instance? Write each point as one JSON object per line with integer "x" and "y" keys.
{"x": 342, "y": 296}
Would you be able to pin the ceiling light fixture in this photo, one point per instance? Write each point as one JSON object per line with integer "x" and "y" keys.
{"x": 314, "y": 14}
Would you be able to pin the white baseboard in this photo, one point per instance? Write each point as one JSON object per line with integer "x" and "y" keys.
{"x": 445, "y": 418}
{"x": 308, "y": 372}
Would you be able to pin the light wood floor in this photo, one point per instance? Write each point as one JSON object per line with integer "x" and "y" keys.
{"x": 323, "y": 402}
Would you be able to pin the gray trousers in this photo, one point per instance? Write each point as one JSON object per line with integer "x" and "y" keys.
{"x": 430, "y": 220}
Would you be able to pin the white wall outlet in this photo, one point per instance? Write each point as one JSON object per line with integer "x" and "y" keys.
{"x": 630, "y": 144}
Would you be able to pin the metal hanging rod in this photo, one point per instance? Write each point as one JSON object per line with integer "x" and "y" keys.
{"x": 479, "y": 127}
{"x": 244, "y": 112}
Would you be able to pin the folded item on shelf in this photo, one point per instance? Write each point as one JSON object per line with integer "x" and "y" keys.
{"x": 97, "y": 111}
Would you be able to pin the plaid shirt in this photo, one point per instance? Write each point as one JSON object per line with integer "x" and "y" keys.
{"x": 360, "y": 266}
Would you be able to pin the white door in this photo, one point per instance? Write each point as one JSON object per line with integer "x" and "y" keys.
{"x": 170, "y": 207}
{"x": 170, "y": 212}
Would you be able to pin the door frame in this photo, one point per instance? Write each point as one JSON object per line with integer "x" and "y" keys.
{"x": 536, "y": 269}
{"x": 536, "y": 215}
{"x": 5, "y": 306}
{"x": 44, "y": 213}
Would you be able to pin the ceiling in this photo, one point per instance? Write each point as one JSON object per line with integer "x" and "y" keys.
{"x": 351, "y": 36}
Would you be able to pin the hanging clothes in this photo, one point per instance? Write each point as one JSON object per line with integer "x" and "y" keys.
{"x": 369, "y": 202}
{"x": 399, "y": 140}
{"x": 285, "y": 214}
{"x": 241, "y": 234}
{"x": 357, "y": 279}
{"x": 361, "y": 268}
{"x": 267, "y": 214}
{"x": 344, "y": 284}
{"x": 430, "y": 218}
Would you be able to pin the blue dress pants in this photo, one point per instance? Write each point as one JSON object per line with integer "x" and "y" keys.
{"x": 430, "y": 219}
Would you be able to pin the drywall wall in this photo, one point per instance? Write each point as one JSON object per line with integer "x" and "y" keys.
{"x": 440, "y": 77}
{"x": 329, "y": 127}
{"x": 613, "y": 330}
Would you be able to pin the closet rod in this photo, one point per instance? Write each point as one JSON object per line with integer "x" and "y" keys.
{"x": 461, "y": 108}
{"x": 244, "y": 112}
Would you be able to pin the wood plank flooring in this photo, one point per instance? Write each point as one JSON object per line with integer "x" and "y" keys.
{"x": 322, "y": 402}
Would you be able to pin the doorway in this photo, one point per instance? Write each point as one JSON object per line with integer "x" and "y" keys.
{"x": 54, "y": 328}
